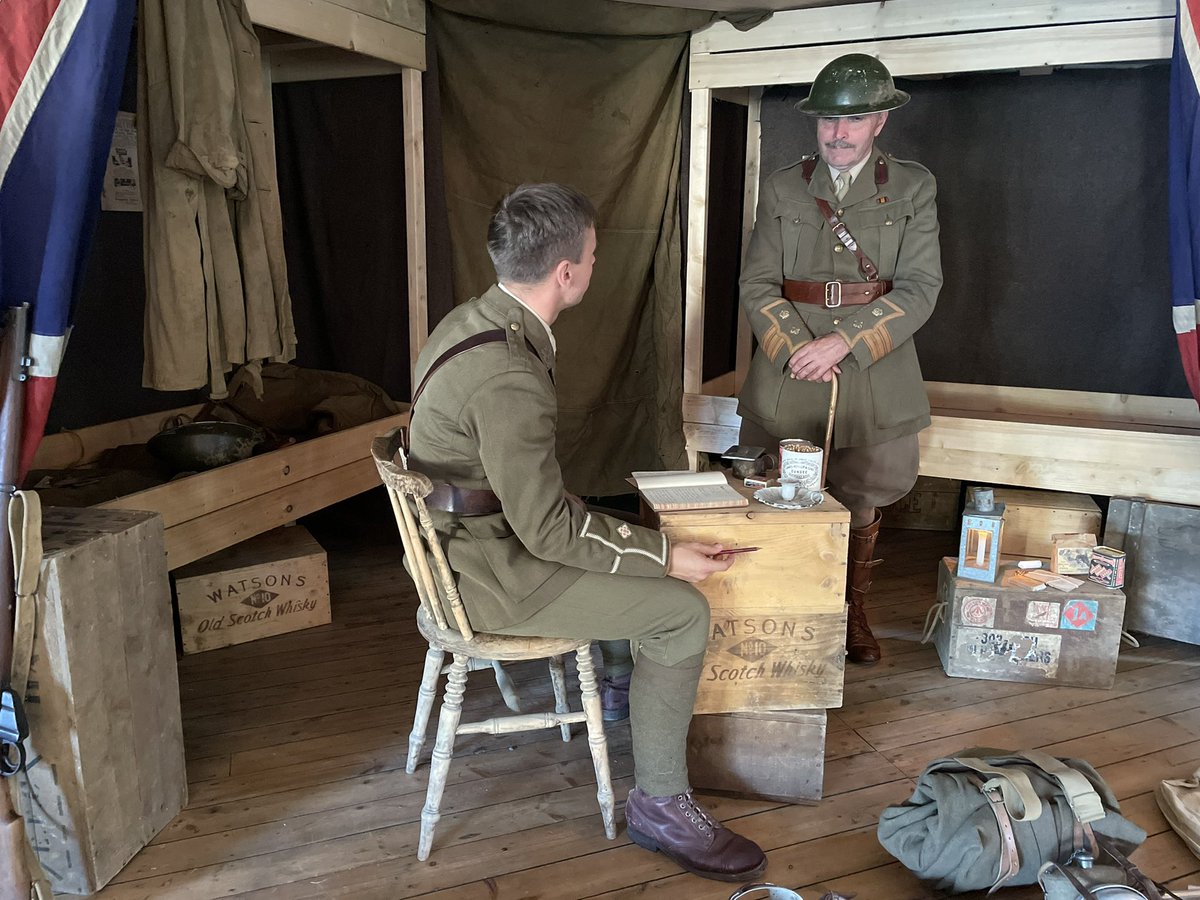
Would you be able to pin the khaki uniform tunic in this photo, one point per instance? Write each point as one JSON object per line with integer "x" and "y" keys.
{"x": 487, "y": 419}
{"x": 881, "y": 391}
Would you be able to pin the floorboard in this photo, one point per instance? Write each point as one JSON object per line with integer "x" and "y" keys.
{"x": 296, "y": 749}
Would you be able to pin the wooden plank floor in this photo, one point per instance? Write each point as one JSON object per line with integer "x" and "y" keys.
{"x": 296, "y": 749}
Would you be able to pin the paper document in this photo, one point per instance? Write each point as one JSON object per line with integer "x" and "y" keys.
{"x": 687, "y": 490}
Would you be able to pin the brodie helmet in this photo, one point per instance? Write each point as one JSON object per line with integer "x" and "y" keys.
{"x": 852, "y": 85}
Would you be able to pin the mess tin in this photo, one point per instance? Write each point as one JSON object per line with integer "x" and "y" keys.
{"x": 748, "y": 461}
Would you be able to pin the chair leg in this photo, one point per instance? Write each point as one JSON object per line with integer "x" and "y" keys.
{"x": 443, "y": 750}
{"x": 425, "y": 697}
{"x": 596, "y": 739}
{"x": 558, "y": 678}
{"x": 508, "y": 690}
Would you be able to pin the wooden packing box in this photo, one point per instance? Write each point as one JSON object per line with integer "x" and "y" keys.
{"x": 1031, "y": 517}
{"x": 1008, "y": 633}
{"x": 778, "y": 638}
{"x": 271, "y": 584}
{"x": 767, "y": 755}
{"x": 932, "y": 505}
{"x": 1162, "y": 565}
{"x": 106, "y": 768}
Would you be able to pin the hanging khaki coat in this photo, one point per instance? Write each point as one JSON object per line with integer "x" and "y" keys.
{"x": 487, "y": 420}
{"x": 881, "y": 392}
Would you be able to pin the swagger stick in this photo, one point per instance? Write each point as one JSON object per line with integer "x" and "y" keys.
{"x": 833, "y": 394}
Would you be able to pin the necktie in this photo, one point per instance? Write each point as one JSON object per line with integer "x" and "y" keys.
{"x": 841, "y": 184}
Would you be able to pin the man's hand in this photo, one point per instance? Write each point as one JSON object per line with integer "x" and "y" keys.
{"x": 818, "y": 360}
{"x": 693, "y": 562}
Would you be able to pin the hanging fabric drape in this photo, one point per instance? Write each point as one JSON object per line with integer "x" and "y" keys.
{"x": 216, "y": 281}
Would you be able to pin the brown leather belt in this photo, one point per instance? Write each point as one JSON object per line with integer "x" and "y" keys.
{"x": 462, "y": 501}
{"x": 832, "y": 294}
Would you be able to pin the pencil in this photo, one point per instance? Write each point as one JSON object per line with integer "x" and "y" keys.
{"x": 738, "y": 550}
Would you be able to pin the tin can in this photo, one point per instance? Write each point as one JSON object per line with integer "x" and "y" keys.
{"x": 800, "y": 461}
{"x": 1107, "y": 567}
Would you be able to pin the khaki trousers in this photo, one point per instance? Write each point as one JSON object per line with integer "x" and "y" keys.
{"x": 860, "y": 478}
{"x": 666, "y": 621}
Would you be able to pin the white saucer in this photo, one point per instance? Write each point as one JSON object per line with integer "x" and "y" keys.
{"x": 803, "y": 500}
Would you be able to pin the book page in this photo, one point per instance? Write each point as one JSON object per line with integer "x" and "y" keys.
{"x": 705, "y": 496}
{"x": 678, "y": 478}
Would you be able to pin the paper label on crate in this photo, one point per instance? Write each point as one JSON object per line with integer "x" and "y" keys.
{"x": 1017, "y": 650}
{"x": 1080, "y": 615}
{"x": 1042, "y": 613}
{"x": 979, "y": 611}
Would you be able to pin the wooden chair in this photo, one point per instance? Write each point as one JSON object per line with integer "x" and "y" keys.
{"x": 437, "y": 590}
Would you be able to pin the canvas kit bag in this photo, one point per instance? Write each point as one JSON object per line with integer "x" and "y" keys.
{"x": 987, "y": 818}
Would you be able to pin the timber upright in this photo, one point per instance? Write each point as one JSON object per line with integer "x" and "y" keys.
{"x": 843, "y": 267}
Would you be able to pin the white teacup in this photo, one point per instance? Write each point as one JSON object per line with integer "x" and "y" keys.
{"x": 788, "y": 489}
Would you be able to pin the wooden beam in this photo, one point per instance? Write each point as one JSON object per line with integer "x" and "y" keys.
{"x": 915, "y": 18}
{"x": 745, "y": 335}
{"x": 337, "y": 26}
{"x": 81, "y": 446}
{"x": 1021, "y": 402}
{"x": 414, "y": 209}
{"x": 319, "y": 63}
{"x": 408, "y": 14}
{"x": 697, "y": 241}
{"x": 1147, "y": 39}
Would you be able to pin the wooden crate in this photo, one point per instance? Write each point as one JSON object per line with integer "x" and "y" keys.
{"x": 1006, "y": 633}
{"x": 778, "y": 633}
{"x": 271, "y": 584}
{"x": 106, "y": 740}
{"x": 1162, "y": 572}
{"x": 1031, "y": 517}
{"x": 768, "y": 755}
{"x": 932, "y": 505}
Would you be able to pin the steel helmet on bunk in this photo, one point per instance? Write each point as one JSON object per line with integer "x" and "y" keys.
{"x": 852, "y": 85}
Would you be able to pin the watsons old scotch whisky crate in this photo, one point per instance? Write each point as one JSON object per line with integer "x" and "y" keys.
{"x": 271, "y": 584}
{"x": 777, "y": 636}
{"x": 932, "y": 505}
{"x": 1009, "y": 632}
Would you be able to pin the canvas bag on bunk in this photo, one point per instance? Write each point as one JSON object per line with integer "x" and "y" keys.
{"x": 987, "y": 818}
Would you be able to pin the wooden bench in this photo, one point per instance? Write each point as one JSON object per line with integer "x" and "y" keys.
{"x": 1090, "y": 443}
{"x": 212, "y": 510}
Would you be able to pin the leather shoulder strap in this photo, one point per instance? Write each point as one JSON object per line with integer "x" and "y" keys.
{"x": 842, "y": 233}
{"x": 495, "y": 336}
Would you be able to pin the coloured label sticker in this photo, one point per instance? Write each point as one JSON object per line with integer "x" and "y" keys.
{"x": 997, "y": 650}
{"x": 979, "y": 611}
{"x": 1080, "y": 615}
{"x": 1042, "y": 613}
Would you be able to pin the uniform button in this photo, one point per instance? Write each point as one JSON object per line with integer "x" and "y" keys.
{"x": 887, "y": 222}
{"x": 795, "y": 221}
{"x": 837, "y": 321}
{"x": 515, "y": 327}
{"x": 841, "y": 212}
{"x": 838, "y": 248}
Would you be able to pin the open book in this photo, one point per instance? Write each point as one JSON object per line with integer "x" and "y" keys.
{"x": 687, "y": 490}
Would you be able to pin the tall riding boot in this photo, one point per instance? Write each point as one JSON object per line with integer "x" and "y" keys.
{"x": 861, "y": 646}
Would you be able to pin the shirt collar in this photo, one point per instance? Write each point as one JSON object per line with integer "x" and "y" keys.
{"x": 545, "y": 324}
{"x": 853, "y": 170}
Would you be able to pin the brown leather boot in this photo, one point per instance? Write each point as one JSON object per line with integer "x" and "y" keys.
{"x": 861, "y": 646}
{"x": 680, "y": 828}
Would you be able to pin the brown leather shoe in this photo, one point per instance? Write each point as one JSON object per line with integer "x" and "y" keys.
{"x": 680, "y": 828}
{"x": 861, "y": 646}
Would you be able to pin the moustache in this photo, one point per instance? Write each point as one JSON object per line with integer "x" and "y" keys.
{"x": 839, "y": 144}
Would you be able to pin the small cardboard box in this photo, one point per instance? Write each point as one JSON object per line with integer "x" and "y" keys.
{"x": 1072, "y": 553}
{"x": 1031, "y": 517}
{"x": 106, "y": 767}
{"x": 769, "y": 755}
{"x": 271, "y": 584}
{"x": 1007, "y": 632}
{"x": 932, "y": 505}
{"x": 777, "y": 638}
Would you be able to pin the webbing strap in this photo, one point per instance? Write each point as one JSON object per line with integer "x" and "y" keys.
{"x": 1080, "y": 794}
{"x": 1020, "y": 799}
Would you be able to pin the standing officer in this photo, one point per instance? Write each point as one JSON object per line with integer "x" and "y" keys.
{"x": 843, "y": 267}
{"x": 531, "y": 559}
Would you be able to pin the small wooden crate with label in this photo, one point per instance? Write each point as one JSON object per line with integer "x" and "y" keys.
{"x": 1031, "y": 517}
{"x": 769, "y": 755}
{"x": 1006, "y": 632}
{"x": 271, "y": 584}
{"x": 932, "y": 505}
{"x": 778, "y": 632}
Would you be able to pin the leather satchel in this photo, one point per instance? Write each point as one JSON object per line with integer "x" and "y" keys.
{"x": 986, "y": 818}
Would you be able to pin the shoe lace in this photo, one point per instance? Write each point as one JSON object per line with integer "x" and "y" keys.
{"x": 695, "y": 812}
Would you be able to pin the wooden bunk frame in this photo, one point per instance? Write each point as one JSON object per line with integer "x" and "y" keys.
{"x": 209, "y": 511}
{"x": 1069, "y": 440}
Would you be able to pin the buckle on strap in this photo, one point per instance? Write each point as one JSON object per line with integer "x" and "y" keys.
{"x": 833, "y": 294}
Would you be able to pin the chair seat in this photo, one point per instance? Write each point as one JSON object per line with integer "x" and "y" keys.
{"x": 493, "y": 646}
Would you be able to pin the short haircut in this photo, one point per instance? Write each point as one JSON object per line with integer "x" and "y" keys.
{"x": 536, "y": 227}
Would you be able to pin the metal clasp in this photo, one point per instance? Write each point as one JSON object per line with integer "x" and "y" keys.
{"x": 833, "y": 294}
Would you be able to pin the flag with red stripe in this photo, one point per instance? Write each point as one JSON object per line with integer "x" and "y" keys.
{"x": 62, "y": 63}
{"x": 1183, "y": 174}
